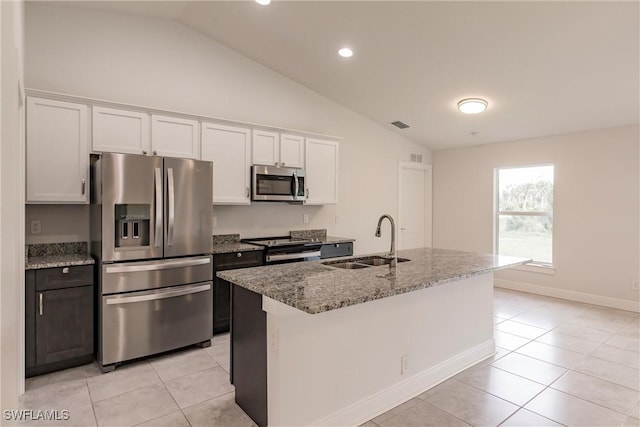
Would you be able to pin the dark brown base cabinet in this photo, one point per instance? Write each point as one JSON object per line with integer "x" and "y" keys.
{"x": 221, "y": 288}
{"x": 59, "y": 322}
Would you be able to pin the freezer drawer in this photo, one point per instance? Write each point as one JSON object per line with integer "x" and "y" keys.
{"x": 139, "y": 324}
{"x": 143, "y": 275}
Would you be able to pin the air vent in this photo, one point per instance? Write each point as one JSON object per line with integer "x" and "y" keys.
{"x": 400, "y": 125}
{"x": 416, "y": 157}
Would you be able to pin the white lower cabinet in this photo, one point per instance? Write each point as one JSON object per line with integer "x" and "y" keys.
{"x": 229, "y": 148}
{"x": 321, "y": 165}
{"x": 57, "y": 151}
{"x": 120, "y": 131}
{"x": 175, "y": 137}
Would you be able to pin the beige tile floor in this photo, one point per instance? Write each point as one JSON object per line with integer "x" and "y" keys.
{"x": 557, "y": 363}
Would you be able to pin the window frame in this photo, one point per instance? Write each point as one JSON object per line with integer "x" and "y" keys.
{"x": 534, "y": 266}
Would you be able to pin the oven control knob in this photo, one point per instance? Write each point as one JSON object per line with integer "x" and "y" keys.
{"x": 239, "y": 254}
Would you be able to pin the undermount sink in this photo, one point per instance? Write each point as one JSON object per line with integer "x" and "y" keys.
{"x": 362, "y": 262}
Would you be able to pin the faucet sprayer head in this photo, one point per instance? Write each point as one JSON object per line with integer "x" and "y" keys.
{"x": 378, "y": 234}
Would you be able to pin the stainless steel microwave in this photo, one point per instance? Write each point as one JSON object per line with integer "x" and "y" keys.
{"x": 272, "y": 184}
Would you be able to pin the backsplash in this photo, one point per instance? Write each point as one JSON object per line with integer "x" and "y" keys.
{"x": 48, "y": 249}
{"x": 221, "y": 239}
{"x": 318, "y": 234}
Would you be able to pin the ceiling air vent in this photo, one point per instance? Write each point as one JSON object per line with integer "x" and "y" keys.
{"x": 416, "y": 157}
{"x": 400, "y": 125}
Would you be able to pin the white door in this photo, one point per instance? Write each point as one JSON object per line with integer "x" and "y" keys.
{"x": 120, "y": 131}
{"x": 57, "y": 152}
{"x": 228, "y": 147}
{"x": 321, "y": 168}
{"x": 414, "y": 205}
{"x": 175, "y": 137}
{"x": 266, "y": 148}
{"x": 291, "y": 151}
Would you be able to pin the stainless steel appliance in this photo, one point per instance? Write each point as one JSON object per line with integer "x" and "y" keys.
{"x": 151, "y": 232}
{"x": 280, "y": 250}
{"x": 272, "y": 184}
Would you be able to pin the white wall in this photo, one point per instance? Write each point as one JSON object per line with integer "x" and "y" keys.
{"x": 11, "y": 204}
{"x": 595, "y": 228}
{"x": 162, "y": 64}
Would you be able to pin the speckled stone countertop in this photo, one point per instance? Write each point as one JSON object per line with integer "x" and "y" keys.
{"x": 229, "y": 243}
{"x": 315, "y": 288}
{"x": 52, "y": 255}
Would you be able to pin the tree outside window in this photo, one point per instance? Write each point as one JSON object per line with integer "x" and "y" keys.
{"x": 524, "y": 212}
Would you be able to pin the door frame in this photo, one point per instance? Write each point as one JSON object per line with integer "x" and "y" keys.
{"x": 428, "y": 197}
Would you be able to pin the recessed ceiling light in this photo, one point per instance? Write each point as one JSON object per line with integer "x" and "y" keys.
{"x": 472, "y": 105}
{"x": 263, "y": 2}
{"x": 345, "y": 52}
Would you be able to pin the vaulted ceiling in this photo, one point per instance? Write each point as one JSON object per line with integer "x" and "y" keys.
{"x": 544, "y": 67}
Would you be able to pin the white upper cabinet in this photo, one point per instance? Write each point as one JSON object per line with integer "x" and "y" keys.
{"x": 291, "y": 151}
{"x": 321, "y": 164}
{"x": 229, "y": 148}
{"x": 175, "y": 137}
{"x": 274, "y": 149}
{"x": 120, "y": 131}
{"x": 266, "y": 148}
{"x": 57, "y": 151}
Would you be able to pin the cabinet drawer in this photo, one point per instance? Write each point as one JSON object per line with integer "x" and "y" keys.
{"x": 64, "y": 277}
{"x": 238, "y": 260}
{"x": 333, "y": 250}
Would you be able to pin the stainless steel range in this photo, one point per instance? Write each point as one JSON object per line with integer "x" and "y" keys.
{"x": 280, "y": 250}
{"x": 151, "y": 228}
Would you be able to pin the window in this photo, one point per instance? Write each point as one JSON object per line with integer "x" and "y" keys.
{"x": 524, "y": 213}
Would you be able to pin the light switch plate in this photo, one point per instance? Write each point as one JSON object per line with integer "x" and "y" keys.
{"x": 35, "y": 226}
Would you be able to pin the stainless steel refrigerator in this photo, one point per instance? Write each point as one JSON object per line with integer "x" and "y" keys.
{"x": 151, "y": 233}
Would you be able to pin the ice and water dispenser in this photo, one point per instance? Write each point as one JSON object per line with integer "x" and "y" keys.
{"x": 132, "y": 225}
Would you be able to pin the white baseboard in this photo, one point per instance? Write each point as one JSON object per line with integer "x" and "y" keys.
{"x": 620, "y": 304}
{"x": 380, "y": 402}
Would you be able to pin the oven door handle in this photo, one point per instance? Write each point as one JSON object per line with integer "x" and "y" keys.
{"x": 299, "y": 255}
{"x": 160, "y": 294}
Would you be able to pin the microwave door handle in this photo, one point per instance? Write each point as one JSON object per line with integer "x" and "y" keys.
{"x": 172, "y": 210}
{"x": 296, "y": 186}
{"x": 158, "y": 219}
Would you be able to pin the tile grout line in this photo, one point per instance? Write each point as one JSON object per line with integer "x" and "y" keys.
{"x": 170, "y": 395}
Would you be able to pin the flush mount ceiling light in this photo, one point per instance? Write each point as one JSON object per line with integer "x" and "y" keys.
{"x": 345, "y": 52}
{"x": 472, "y": 105}
{"x": 263, "y": 2}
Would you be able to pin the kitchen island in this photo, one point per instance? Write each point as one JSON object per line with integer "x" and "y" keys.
{"x": 313, "y": 344}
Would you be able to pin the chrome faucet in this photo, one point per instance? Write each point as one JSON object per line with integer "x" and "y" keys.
{"x": 392, "y": 251}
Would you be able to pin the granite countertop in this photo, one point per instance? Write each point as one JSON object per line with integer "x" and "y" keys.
{"x": 315, "y": 288}
{"x": 225, "y": 248}
{"x": 52, "y": 261}
{"x": 52, "y": 255}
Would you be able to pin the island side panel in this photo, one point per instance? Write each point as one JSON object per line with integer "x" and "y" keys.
{"x": 249, "y": 353}
{"x": 343, "y": 367}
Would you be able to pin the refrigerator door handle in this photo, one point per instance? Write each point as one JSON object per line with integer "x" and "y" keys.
{"x": 160, "y": 294}
{"x": 171, "y": 207}
{"x": 155, "y": 265}
{"x": 158, "y": 219}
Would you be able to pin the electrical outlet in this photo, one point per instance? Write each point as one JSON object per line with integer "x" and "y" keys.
{"x": 305, "y": 219}
{"x": 35, "y": 226}
{"x": 404, "y": 364}
{"x": 635, "y": 285}
{"x": 215, "y": 221}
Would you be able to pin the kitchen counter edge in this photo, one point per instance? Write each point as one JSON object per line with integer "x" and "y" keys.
{"x": 54, "y": 261}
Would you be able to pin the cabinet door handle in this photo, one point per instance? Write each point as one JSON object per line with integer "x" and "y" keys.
{"x": 155, "y": 153}
{"x": 282, "y": 164}
{"x": 247, "y": 192}
{"x": 83, "y": 186}
{"x": 144, "y": 151}
{"x": 239, "y": 254}
{"x": 40, "y": 303}
{"x": 65, "y": 270}
{"x": 307, "y": 193}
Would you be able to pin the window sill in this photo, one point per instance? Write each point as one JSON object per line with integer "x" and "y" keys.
{"x": 536, "y": 268}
